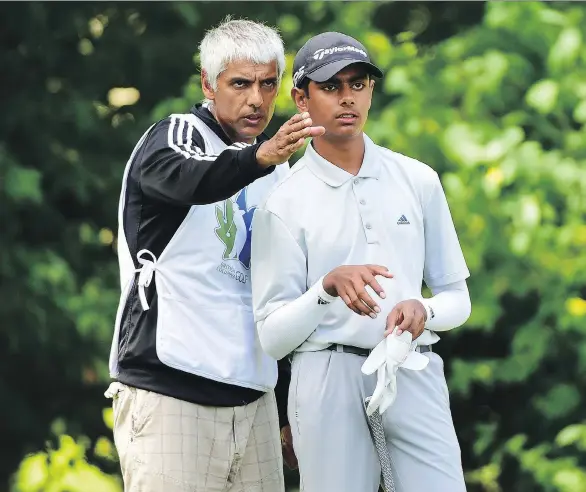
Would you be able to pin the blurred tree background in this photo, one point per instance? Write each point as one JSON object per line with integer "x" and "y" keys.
{"x": 491, "y": 95}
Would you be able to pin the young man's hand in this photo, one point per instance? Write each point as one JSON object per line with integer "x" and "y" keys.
{"x": 349, "y": 282}
{"x": 408, "y": 316}
{"x": 288, "y": 140}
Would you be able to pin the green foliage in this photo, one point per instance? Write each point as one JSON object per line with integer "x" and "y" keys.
{"x": 66, "y": 469}
{"x": 493, "y": 110}
{"x": 496, "y": 103}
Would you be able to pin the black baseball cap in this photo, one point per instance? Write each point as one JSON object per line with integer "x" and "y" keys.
{"x": 324, "y": 55}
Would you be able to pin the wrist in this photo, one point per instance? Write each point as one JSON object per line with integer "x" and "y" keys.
{"x": 262, "y": 157}
{"x": 429, "y": 314}
{"x": 327, "y": 291}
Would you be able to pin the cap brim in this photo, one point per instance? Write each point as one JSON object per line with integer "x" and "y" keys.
{"x": 328, "y": 71}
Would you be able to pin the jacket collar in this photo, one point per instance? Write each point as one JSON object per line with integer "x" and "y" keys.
{"x": 204, "y": 114}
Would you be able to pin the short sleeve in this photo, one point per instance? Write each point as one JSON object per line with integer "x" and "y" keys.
{"x": 444, "y": 260}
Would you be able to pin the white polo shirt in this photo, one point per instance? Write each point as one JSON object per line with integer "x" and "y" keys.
{"x": 393, "y": 213}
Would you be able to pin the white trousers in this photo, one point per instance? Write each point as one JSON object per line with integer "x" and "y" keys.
{"x": 332, "y": 438}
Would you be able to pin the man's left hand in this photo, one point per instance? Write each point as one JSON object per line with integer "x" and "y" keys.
{"x": 287, "y": 448}
{"x": 408, "y": 316}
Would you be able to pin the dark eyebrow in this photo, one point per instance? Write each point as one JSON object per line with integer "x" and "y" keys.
{"x": 240, "y": 79}
{"x": 270, "y": 79}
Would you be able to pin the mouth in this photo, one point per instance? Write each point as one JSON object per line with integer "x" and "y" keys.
{"x": 254, "y": 118}
{"x": 348, "y": 117}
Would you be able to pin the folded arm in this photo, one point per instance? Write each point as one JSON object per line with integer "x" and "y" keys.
{"x": 285, "y": 310}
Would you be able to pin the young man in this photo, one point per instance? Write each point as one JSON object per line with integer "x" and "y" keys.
{"x": 194, "y": 405}
{"x": 352, "y": 219}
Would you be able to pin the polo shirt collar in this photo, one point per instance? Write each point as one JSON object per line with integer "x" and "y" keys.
{"x": 334, "y": 176}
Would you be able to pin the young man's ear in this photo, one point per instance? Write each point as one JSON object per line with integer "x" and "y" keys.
{"x": 206, "y": 87}
{"x": 300, "y": 99}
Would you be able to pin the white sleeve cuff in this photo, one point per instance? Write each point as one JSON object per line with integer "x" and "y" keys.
{"x": 322, "y": 295}
{"x": 430, "y": 314}
{"x": 448, "y": 308}
{"x": 290, "y": 324}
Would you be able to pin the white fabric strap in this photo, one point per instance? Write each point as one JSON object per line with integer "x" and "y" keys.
{"x": 145, "y": 275}
{"x": 393, "y": 352}
{"x": 114, "y": 389}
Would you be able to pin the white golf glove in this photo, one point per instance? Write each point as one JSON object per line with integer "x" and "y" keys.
{"x": 393, "y": 352}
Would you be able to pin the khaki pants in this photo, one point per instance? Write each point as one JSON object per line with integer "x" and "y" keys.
{"x": 169, "y": 445}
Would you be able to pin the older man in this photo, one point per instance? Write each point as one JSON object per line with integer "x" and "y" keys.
{"x": 194, "y": 400}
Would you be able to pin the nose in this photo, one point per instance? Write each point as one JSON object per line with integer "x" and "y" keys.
{"x": 255, "y": 97}
{"x": 346, "y": 96}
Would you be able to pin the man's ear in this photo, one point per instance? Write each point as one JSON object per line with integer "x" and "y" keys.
{"x": 206, "y": 87}
{"x": 300, "y": 99}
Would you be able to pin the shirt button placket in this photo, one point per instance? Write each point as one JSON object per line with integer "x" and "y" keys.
{"x": 365, "y": 213}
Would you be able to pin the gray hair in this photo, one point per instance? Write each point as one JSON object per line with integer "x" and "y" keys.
{"x": 240, "y": 40}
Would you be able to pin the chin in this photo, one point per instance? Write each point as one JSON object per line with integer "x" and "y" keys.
{"x": 249, "y": 133}
{"x": 344, "y": 134}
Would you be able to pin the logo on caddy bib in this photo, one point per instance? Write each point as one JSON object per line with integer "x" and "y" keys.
{"x": 234, "y": 230}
